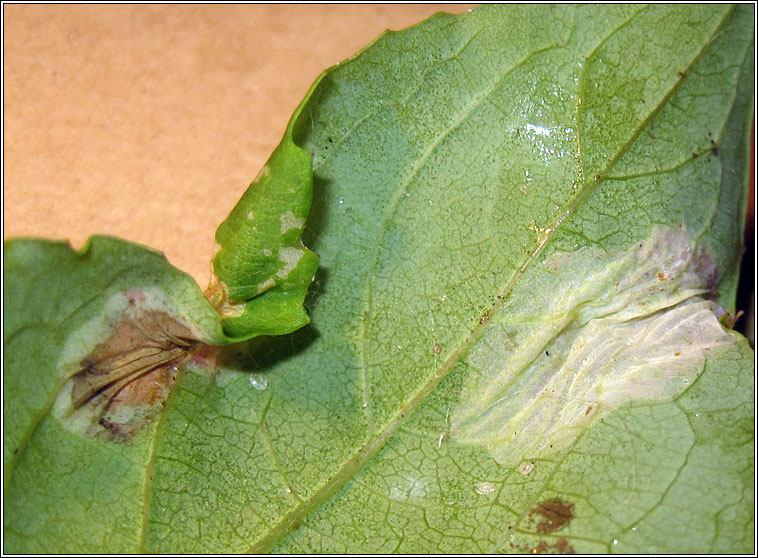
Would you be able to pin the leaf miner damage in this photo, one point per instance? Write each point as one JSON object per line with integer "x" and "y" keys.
{"x": 121, "y": 384}
{"x": 551, "y": 515}
{"x": 596, "y": 330}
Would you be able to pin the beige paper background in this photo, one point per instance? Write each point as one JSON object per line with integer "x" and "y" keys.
{"x": 148, "y": 122}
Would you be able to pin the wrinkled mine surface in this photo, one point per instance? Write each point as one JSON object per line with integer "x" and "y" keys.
{"x": 122, "y": 382}
{"x": 586, "y": 333}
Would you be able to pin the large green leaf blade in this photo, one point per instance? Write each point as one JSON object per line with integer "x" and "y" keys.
{"x": 452, "y": 161}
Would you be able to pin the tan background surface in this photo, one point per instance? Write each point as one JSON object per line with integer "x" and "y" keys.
{"x": 148, "y": 122}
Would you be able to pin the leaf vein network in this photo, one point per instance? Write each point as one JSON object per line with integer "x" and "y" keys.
{"x": 395, "y": 202}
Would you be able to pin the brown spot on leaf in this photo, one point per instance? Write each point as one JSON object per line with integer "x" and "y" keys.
{"x": 128, "y": 376}
{"x": 117, "y": 429}
{"x": 561, "y": 546}
{"x": 551, "y": 515}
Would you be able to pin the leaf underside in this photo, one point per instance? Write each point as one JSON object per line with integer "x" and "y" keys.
{"x": 528, "y": 220}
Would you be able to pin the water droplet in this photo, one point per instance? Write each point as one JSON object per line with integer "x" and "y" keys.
{"x": 258, "y": 381}
{"x": 341, "y": 200}
{"x": 484, "y": 488}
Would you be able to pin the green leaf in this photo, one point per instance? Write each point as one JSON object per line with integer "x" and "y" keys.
{"x": 528, "y": 220}
{"x": 262, "y": 269}
{"x": 66, "y": 484}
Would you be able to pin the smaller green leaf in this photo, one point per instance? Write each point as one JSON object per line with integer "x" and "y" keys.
{"x": 92, "y": 343}
{"x": 262, "y": 269}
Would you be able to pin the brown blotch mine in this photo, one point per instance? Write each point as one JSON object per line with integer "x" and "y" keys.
{"x": 551, "y": 515}
{"x": 125, "y": 379}
{"x": 561, "y": 546}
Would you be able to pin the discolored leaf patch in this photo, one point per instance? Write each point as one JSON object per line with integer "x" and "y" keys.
{"x": 126, "y": 378}
{"x": 551, "y": 515}
{"x": 561, "y": 546}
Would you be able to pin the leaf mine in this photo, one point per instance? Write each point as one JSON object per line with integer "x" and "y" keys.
{"x": 120, "y": 385}
{"x": 550, "y": 516}
{"x": 616, "y": 333}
